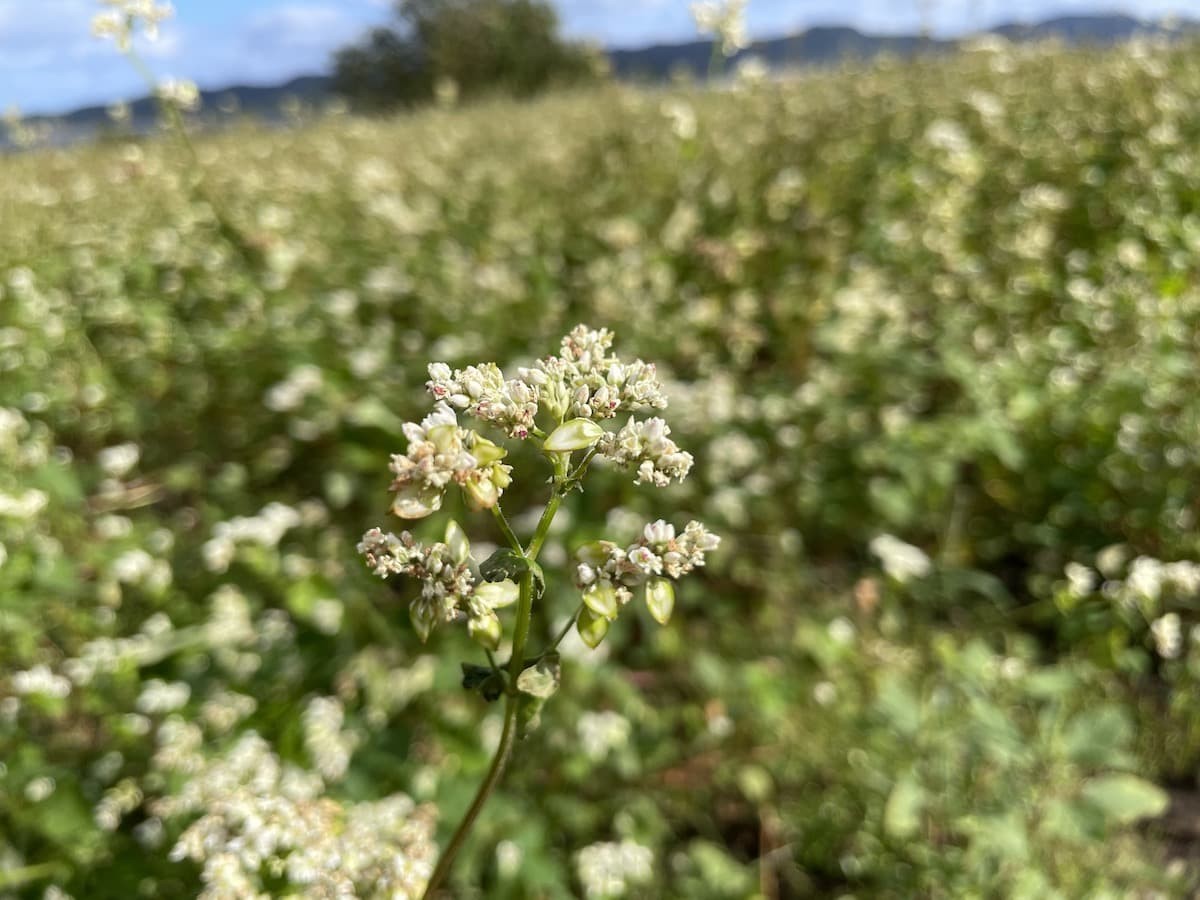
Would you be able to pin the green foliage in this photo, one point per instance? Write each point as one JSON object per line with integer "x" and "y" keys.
{"x": 951, "y": 300}
{"x": 466, "y": 47}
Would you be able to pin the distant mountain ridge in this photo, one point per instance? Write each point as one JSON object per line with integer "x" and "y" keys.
{"x": 822, "y": 45}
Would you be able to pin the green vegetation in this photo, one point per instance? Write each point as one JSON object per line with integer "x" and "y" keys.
{"x": 461, "y": 48}
{"x": 953, "y": 302}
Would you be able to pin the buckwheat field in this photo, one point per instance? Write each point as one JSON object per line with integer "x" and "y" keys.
{"x": 826, "y": 445}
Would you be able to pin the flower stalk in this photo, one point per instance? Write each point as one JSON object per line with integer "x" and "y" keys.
{"x": 561, "y": 405}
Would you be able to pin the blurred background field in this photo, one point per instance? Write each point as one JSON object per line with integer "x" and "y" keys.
{"x": 930, "y": 329}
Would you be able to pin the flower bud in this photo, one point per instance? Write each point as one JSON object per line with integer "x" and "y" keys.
{"x": 660, "y": 599}
{"x": 482, "y": 493}
{"x": 485, "y": 630}
{"x": 456, "y": 540}
{"x": 601, "y": 599}
{"x": 577, "y": 434}
{"x": 591, "y": 627}
{"x": 497, "y": 594}
{"x": 416, "y": 501}
{"x": 486, "y": 452}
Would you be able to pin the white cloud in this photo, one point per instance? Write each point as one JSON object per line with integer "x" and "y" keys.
{"x": 50, "y": 62}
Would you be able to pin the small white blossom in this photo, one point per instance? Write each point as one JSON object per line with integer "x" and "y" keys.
{"x": 40, "y": 789}
{"x": 601, "y": 733}
{"x": 1081, "y": 580}
{"x": 41, "y": 681}
{"x": 124, "y": 16}
{"x": 159, "y": 697}
{"x": 179, "y": 93}
{"x": 608, "y": 574}
{"x": 723, "y": 20}
{"x": 609, "y": 869}
{"x": 901, "y": 561}
{"x": 328, "y": 746}
{"x": 119, "y": 460}
{"x": 440, "y": 454}
{"x": 447, "y": 584}
{"x": 647, "y": 448}
{"x": 1168, "y": 635}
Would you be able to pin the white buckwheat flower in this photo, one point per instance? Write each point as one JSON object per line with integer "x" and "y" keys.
{"x": 122, "y": 18}
{"x": 647, "y": 447}
{"x": 1081, "y": 580}
{"x": 610, "y": 869}
{"x": 901, "y": 561}
{"x": 179, "y": 93}
{"x": 608, "y": 574}
{"x": 440, "y": 453}
{"x": 448, "y": 586}
{"x": 485, "y": 394}
{"x": 724, "y": 21}
{"x": 1168, "y": 635}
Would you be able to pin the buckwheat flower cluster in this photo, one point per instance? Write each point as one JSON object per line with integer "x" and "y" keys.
{"x": 585, "y": 381}
{"x": 725, "y": 21}
{"x": 588, "y": 381}
{"x": 439, "y": 454}
{"x": 610, "y": 869}
{"x": 560, "y": 405}
{"x": 601, "y": 733}
{"x": 485, "y": 394}
{"x": 1168, "y": 635}
{"x": 263, "y": 822}
{"x": 449, "y": 588}
{"x": 647, "y": 448}
{"x": 180, "y": 93}
{"x": 123, "y": 17}
{"x": 609, "y": 575}
{"x": 267, "y": 529}
{"x": 327, "y": 744}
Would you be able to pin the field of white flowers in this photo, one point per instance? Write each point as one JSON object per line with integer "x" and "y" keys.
{"x": 929, "y": 331}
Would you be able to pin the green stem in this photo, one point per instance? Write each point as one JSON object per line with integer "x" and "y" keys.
{"x": 543, "y": 528}
{"x": 503, "y": 751}
{"x": 566, "y": 629}
{"x": 14, "y": 878}
{"x": 516, "y": 665}
{"x": 506, "y": 529}
{"x": 577, "y": 476}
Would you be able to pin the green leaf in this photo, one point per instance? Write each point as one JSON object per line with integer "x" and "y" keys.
{"x": 660, "y": 599}
{"x": 474, "y": 676}
{"x": 902, "y": 708}
{"x": 902, "y": 814}
{"x": 1098, "y": 737}
{"x": 508, "y": 565}
{"x": 591, "y": 627}
{"x": 1125, "y": 798}
{"x": 529, "y": 714}
{"x": 483, "y": 679}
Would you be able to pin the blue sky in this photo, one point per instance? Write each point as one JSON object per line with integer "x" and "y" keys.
{"x": 49, "y": 62}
